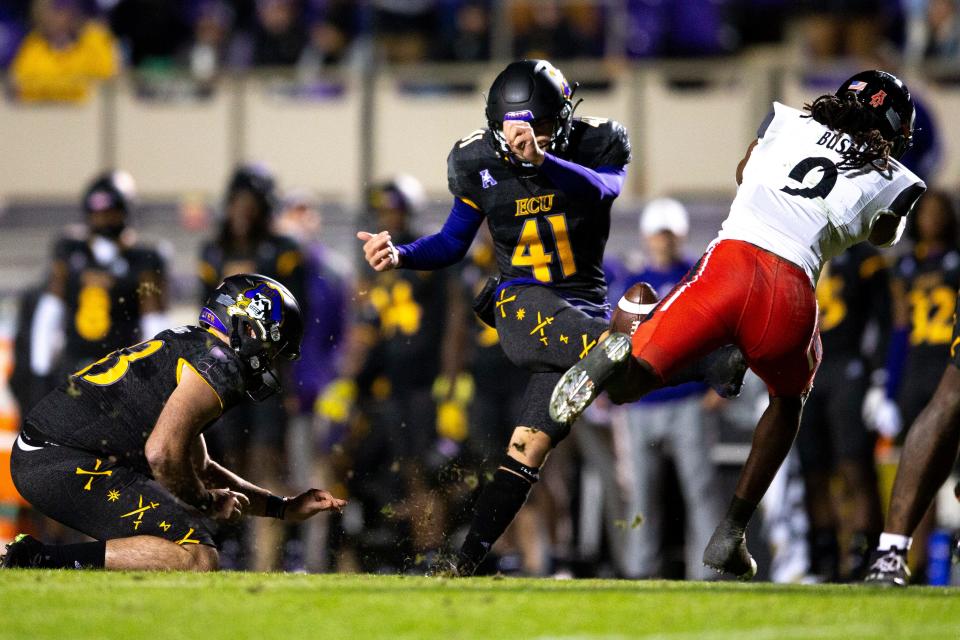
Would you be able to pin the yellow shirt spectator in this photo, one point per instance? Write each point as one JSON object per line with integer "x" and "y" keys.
{"x": 43, "y": 73}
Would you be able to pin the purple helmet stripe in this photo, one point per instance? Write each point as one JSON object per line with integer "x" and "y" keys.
{"x": 209, "y": 317}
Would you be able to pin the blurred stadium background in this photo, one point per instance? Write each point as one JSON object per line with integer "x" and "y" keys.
{"x": 337, "y": 95}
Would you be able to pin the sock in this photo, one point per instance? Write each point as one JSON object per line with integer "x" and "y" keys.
{"x": 740, "y": 512}
{"x": 861, "y": 542}
{"x": 495, "y": 509}
{"x": 85, "y": 555}
{"x": 890, "y": 540}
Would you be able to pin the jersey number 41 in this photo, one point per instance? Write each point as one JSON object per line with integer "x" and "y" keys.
{"x": 530, "y": 251}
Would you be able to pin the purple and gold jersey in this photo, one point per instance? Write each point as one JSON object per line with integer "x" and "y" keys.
{"x": 110, "y": 407}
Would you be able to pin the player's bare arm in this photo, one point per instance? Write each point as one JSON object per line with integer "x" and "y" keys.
{"x": 170, "y": 448}
{"x": 890, "y": 224}
{"x": 300, "y": 507}
{"x": 886, "y": 229}
{"x": 743, "y": 163}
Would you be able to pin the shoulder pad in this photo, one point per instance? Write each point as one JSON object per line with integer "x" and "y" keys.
{"x": 463, "y": 163}
{"x": 775, "y": 119}
{"x": 67, "y": 245}
{"x": 218, "y": 364}
{"x": 599, "y": 142}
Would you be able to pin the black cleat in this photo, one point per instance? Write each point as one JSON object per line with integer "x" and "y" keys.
{"x": 584, "y": 381}
{"x": 24, "y": 552}
{"x": 724, "y": 370}
{"x": 888, "y": 568}
{"x": 445, "y": 565}
{"x": 727, "y": 553}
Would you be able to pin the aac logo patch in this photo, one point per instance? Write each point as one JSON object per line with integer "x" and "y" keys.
{"x": 486, "y": 179}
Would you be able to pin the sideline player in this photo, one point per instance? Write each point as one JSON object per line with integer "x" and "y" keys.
{"x": 117, "y": 451}
{"x": 811, "y": 185}
{"x": 545, "y": 182}
{"x": 251, "y": 437}
{"x": 853, "y": 292}
{"x": 105, "y": 290}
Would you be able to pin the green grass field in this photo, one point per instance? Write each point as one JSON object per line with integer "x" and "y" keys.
{"x": 78, "y": 605}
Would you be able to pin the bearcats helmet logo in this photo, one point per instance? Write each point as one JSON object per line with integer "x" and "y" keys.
{"x": 876, "y": 99}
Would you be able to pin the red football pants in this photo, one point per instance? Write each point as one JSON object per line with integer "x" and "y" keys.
{"x": 738, "y": 294}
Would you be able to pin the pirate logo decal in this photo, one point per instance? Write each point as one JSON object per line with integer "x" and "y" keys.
{"x": 264, "y": 304}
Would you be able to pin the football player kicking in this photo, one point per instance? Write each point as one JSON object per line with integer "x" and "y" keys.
{"x": 117, "y": 451}
{"x": 811, "y": 185}
{"x": 545, "y": 182}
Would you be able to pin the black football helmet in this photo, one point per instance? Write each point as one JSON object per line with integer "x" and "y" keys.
{"x": 885, "y": 95}
{"x": 258, "y": 180}
{"x": 263, "y": 321}
{"x": 110, "y": 190}
{"x": 530, "y": 90}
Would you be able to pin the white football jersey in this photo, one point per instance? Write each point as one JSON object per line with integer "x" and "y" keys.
{"x": 794, "y": 202}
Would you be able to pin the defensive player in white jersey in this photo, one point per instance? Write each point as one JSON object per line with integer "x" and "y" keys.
{"x": 813, "y": 183}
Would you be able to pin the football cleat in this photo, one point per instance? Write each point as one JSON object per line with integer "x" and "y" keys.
{"x": 727, "y": 553}
{"x": 584, "y": 381}
{"x": 24, "y": 552}
{"x": 724, "y": 370}
{"x": 447, "y": 565}
{"x": 888, "y": 568}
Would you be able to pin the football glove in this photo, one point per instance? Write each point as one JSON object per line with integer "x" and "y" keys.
{"x": 881, "y": 413}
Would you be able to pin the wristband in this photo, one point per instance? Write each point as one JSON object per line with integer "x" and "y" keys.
{"x": 394, "y": 254}
{"x": 276, "y": 507}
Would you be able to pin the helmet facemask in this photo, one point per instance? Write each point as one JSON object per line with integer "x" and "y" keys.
{"x": 904, "y": 141}
{"x": 254, "y": 343}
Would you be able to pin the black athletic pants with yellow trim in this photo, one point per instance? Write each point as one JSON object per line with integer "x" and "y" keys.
{"x": 101, "y": 498}
{"x": 543, "y": 333}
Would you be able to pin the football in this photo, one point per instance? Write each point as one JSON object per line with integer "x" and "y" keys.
{"x": 633, "y": 306}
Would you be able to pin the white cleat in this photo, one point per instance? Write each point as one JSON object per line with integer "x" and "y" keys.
{"x": 584, "y": 381}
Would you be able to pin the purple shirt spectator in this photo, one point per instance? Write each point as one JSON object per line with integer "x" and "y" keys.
{"x": 326, "y": 305}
